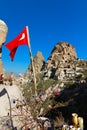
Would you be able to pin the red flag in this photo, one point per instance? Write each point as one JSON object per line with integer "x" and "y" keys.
{"x": 21, "y": 39}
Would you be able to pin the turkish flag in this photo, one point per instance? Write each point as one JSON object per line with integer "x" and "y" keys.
{"x": 21, "y": 39}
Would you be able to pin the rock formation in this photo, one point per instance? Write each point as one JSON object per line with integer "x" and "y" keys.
{"x": 38, "y": 62}
{"x": 59, "y": 64}
{"x": 62, "y": 52}
{"x": 3, "y": 34}
{"x": 1, "y": 66}
{"x": 62, "y": 64}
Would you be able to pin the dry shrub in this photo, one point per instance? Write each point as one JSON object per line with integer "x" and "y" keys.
{"x": 59, "y": 121}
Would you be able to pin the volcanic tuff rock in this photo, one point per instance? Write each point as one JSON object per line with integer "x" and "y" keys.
{"x": 38, "y": 62}
{"x": 62, "y": 64}
{"x": 3, "y": 34}
{"x": 59, "y": 64}
{"x": 62, "y": 52}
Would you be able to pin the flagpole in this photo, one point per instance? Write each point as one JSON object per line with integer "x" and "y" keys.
{"x": 32, "y": 61}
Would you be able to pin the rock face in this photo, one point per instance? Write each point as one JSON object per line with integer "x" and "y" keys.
{"x": 2, "y": 70}
{"x": 1, "y": 66}
{"x": 38, "y": 62}
{"x": 61, "y": 57}
{"x": 3, "y": 31}
{"x": 62, "y": 52}
{"x": 3, "y": 34}
{"x": 62, "y": 64}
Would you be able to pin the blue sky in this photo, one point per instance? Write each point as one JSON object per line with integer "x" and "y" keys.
{"x": 49, "y": 22}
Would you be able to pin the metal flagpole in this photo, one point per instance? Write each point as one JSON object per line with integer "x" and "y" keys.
{"x": 32, "y": 61}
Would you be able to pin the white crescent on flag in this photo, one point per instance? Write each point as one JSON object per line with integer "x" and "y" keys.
{"x": 23, "y": 36}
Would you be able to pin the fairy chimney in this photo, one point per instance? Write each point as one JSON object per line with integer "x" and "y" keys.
{"x": 3, "y": 34}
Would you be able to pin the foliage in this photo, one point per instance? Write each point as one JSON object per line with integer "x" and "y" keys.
{"x": 29, "y": 94}
{"x": 59, "y": 121}
{"x": 45, "y": 84}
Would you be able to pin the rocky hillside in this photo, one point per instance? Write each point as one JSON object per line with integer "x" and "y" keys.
{"x": 61, "y": 86}
{"x": 63, "y": 78}
{"x": 62, "y": 64}
{"x": 38, "y": 62}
